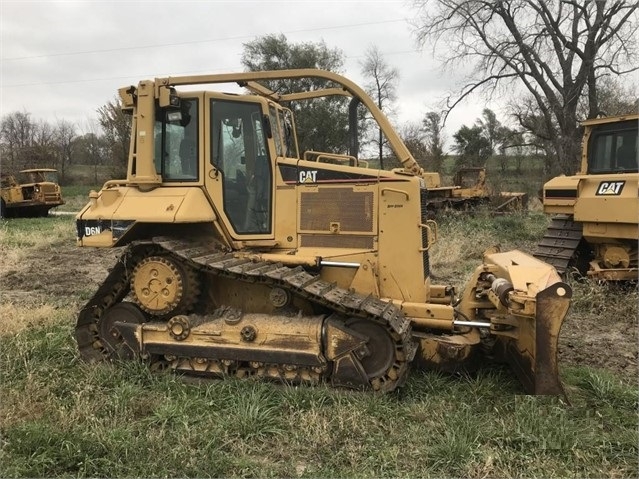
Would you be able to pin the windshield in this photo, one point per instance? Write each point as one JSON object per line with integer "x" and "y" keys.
{"x": 38, "y": 176}
{"x": 51, "y": 176}
{"x": 612, "y": 148}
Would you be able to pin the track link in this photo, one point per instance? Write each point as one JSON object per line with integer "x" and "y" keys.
{"x": 204, "y": 256}
{"x": 560, "y": 243}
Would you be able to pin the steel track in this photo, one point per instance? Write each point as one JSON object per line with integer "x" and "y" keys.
{"x": 202, "y": 255}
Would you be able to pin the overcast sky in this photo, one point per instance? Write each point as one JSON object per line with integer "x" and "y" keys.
{"x": 65, "y": 59}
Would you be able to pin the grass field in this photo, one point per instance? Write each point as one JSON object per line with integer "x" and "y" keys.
{"x": 60, "y": 417}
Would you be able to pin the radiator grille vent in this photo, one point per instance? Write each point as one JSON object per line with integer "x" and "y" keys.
{"x": 353, "y": 210}
{"x": 337, "y": 241}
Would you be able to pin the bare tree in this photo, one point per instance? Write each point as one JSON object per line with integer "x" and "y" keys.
{"x": 413, "y": 136}
{"x": 64, "y": 137}
{"x": 91, "y": 148}
{"x": 434, "y": 133}
{"x": 536, "y": 133}
{"x": 43, "y": 152}
{"x": 116, "y": 125}
{"x": 557, "y": 51}
{"x": 16, "y": 137}
{"x": 381, "y": 87}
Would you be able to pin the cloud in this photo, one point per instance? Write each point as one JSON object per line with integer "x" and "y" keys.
{"x": 66, "y": 59}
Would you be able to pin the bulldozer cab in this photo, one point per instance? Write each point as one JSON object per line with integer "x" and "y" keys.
{"x": 470, "y": 178}
{"x": 222, "y": 158}
{"x": 610, "y": 146}
{"x": 229, "y": 146}
{"x": 38, "y": 176}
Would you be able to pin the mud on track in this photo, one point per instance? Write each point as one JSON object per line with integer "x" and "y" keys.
{"x": 63, "y": 274}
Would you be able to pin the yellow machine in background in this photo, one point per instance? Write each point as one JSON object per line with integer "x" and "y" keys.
{"x": 246, "y": 257}
{"x": 596, "y": 227}
{"x": 469, "y": 190}
{"x": 33, "y": 193}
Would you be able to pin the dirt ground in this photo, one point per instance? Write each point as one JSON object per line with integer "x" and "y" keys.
{"x": 56, "y": 272}
{"x": 585, "y": 339}
{"x": 589, "y": 340}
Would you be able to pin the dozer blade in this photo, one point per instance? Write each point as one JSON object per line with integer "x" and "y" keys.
{"x": 533, "y": 352}
{"x": 532, "y": 303}
{"x": 525, "y": 303}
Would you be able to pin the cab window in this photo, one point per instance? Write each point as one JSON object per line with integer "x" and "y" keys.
{"x": 613, "y": 148}
{"x": 239, "y": 153}
{"x": 286, "y": 123}
{"x": 277, "y": 137}
{"x": 176, "y": 142}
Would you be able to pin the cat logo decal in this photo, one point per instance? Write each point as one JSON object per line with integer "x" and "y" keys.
{"x": 308, "y": 176}
{"x": 610, "y": 188}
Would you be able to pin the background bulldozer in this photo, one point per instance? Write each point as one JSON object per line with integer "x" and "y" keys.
{"x": 469, "y": 191}
{"x": 33, "y": 193}
{"x": 595, "y": 229}
{"x": 248, "y": 258}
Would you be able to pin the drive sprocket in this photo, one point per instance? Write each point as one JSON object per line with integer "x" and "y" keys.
{"x": 161, "y": 285}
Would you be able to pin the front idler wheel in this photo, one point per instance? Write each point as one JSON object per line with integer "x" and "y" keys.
{"x": 379, "y": 355}
{"x": 363, "y": 353}
{"x": 113, "y": 344}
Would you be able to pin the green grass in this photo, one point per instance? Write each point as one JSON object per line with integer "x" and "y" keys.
{"x": 464, "y": 237}
{"x": 79, "y": 190}
{"x": 60, "y": 417}
{"x": 33, "y": 232}
{"x": 515, "y": 229}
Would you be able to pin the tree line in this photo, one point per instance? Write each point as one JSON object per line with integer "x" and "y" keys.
{"x": 29, "y": 143}
{"x": 554, "y": 64}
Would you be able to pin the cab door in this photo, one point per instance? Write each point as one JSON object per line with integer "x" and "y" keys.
{"x": 239, "y": 173}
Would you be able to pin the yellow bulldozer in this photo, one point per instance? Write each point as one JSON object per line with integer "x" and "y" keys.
{"x": 248, "y": 258}
{"x": 32, "y": 193}
{"x": 595, "y": 226}
{"x": 468, "y": 192}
